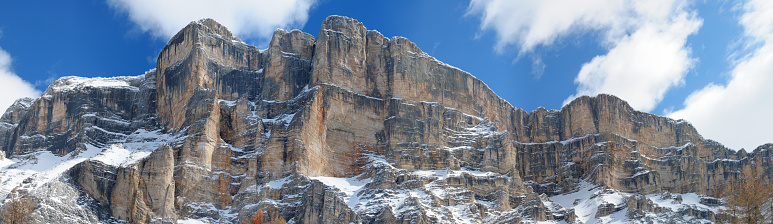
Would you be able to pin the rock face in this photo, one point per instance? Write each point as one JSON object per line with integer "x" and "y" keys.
{"x": 350, "y": 127}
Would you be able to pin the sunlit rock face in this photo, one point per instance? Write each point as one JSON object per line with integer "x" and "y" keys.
{"x": 347, "y": 127}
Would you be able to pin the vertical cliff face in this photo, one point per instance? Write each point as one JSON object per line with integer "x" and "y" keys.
{"x": 289, "y": 65}
{"x": 350, "y": 127}
{"x": 341, "y": 42}
{"x": 10, "y": 119}
{"x": 204, "y": 57}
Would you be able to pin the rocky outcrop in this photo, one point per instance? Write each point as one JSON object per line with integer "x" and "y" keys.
{"x": 74, "y": 111}
{"x": 623, "y": 149}
{"x": 204, "y": 58}
{"x": 10, "y": 119}
{"x": 350, "y": 127}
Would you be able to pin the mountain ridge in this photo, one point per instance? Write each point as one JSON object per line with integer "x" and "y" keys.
{"x": 349, "y": 126}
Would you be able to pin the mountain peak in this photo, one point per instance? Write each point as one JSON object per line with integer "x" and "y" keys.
{"x": 205, "y": 26}
{"x": 347, "y": 127}
{"x": 601, "y": 97}
{"x": 341, "y": 23}
{"x": 17, "y": 110}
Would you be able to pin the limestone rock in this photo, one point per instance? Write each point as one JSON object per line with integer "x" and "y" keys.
{"x": 17, "y": 110}
{"x": 350, "y": 127}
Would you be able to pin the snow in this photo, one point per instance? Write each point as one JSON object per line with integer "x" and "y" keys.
{"x": 71, "y": 83}
{"x": 276, "y": 184}
{"x": 725, "y": 160}
{"x": 105, "y": 131}
{"x": 641, "y": 173}
{"x": 452, "y": 173}
{"x": 465, "y": 138}
{"x": 117, "y": 121}
{"x": 229, "y": 103}
{"x": 135, "y": 147}
{"x": 588, "y": 198}
{"x": 282, "y": 118}
{"x": 191, "y": 221}
{"x": 43, "y": 166}
{"x": 617, "y": 217}
{"x": 348, "y": 91}
{"x": 5, "y": 162}
{"x": 289, "y": 54}
{"x": 145, "y": 140}
{"x": 688, "y": 200}
{"x": 675, "y": 147}
{"x": 349, "y": 186}
{"x": 564, "y": 142}
{"x": 25, "y": 102}
{"x": 406, "y": 201}
{"x": 346, "y": 185}
{"x": 118, "y": 155}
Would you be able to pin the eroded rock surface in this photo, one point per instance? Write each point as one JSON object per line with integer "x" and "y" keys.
{"x": 350, "y": 127}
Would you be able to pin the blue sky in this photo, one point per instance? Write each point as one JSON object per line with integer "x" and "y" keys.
{"x": 704, "y": 61}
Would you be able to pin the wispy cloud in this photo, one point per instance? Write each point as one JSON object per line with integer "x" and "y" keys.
{"x": 247, "y": 18}
{"x": 537, "y": 67}
{"x": 12, "y": 86}
{"x": 738, "y": 113}
{"x": 46, "y": 82}
{"x": 646, "y": 40}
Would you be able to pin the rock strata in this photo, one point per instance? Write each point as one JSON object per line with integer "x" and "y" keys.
{"x": 350, "y": 127}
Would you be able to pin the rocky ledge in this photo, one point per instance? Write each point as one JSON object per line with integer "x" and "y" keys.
{"x": 350, "y": 127}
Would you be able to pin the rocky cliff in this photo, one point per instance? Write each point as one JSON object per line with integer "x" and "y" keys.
{"x": 350, "y": 127}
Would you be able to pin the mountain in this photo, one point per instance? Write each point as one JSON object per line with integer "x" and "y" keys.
{"x": 350, "y": 127}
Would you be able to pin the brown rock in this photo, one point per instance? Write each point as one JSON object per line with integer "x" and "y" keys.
{"x": 252, "y": 126}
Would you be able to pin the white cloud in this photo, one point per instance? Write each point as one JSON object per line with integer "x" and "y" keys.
{"x": 247, "y": 18}
{"x": 739, "y": 114}
{"x": 13, "y": 87}
{"x": 642, "y": 66}
{"x": 528, "y": 24}
{"x": 646, "y": 40}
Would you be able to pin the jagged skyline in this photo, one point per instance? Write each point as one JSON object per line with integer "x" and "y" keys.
{"x": 714, "y": 50}
{"x": 346, "y": 127}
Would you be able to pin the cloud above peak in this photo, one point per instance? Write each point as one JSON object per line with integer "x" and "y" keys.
{"x": 13, "y": 86}
{"x": 245, "y": 18}
{"x": 527, "y": 24}
{"x": 646, "y": 40}
{"x": 642, "y": 66}
{"x": 738, "y": 113}
{"x": 648, "y": 54}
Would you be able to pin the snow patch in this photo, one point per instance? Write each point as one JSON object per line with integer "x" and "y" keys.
{"x": 191, "y": 221}
{"x": 118, "y": 155}
{"x": 44, "y": 166}
{"x": 277, "y": 184}
{"x": 283, "y": 119}
{"x": 349, "y": 186}
{"x": 41, "y": 166}
{"x": 229, "y": 103}
{"x": 688, "y": 200}
{"x": 71, "y": 83}
{"x": 442, "y": 174}
{"x": 587, "y": 199}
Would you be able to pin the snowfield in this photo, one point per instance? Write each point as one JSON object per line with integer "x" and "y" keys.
{"x": 42, "y": 166}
